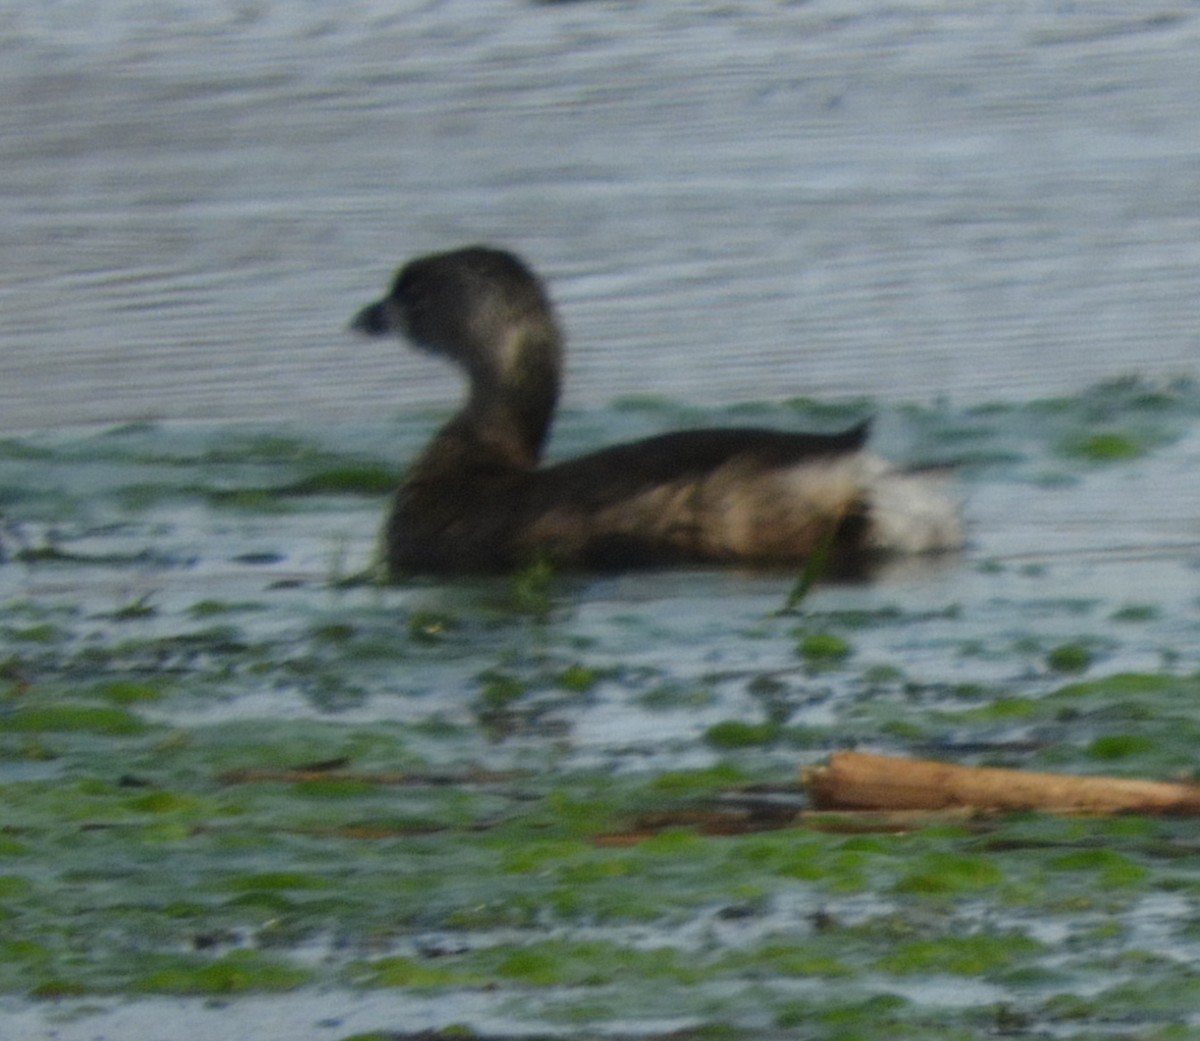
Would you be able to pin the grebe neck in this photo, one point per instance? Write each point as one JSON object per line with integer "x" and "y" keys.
{"x": 507, "y": 415}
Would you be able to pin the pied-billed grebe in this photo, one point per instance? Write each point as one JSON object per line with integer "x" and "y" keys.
{"x": 477, "y": 501}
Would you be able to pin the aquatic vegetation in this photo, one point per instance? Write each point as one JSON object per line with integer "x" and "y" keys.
{"x": 236, "y": 972}
{"x": 824, "y": 649}
{"x": 1106, "y": 447}
{"x": 86, "y": 718}
{"x": 735, "y": 734}
{"x": 978, "y": 955}
{"x": 223, "y": 772}
{"x": 1070, "y": 657}
{"x": 950, "y": 873}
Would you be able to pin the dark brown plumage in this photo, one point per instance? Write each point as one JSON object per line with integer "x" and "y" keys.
{"x": 477, "y": 500}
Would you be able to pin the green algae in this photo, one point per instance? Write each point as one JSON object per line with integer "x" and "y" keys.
{"x": 410, "y": 973}
{"x": 557, "y": 963}
{"x": 129, "y": 692}
{"x": 578, "y": 679}
{"x": 1107, "y": 447}
{"x": 736, "y": 734}
{"x": 1124, "y": 685}
{"x": 1070, "y": 657}
{"x": 507, "y": 787}
{"x": 824, "y": 649}
{"x": 363, "y": 479}
{"x": 1111, "y": 868}
{"x": 944, "y": 873}
{"x": 978, "y": 955}
{"x": 1136, "y": 613}
{"x": 92, "y": 719}
{"x": 275, "y": 881}
{"x": 1120, "y": 746}
{"x": 238, "y": 972}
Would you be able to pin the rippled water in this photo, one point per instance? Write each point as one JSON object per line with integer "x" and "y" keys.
{"x": 963, "y": 201}
{"x": 947, "y": 199}
{"x": 167, "y": 619}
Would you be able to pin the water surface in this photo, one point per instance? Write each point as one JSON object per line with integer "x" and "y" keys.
{"x": 963, "y": 217}
{"x": 973, "y": 201}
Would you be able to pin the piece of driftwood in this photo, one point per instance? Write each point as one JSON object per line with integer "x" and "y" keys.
{"x": 857, "y": 781}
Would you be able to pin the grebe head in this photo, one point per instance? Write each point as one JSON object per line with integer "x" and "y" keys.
{"x": 479, "y": 307}
{"x": 484, "y": 310}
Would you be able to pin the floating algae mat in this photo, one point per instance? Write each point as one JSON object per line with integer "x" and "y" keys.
{"x": 242, "y": 796}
